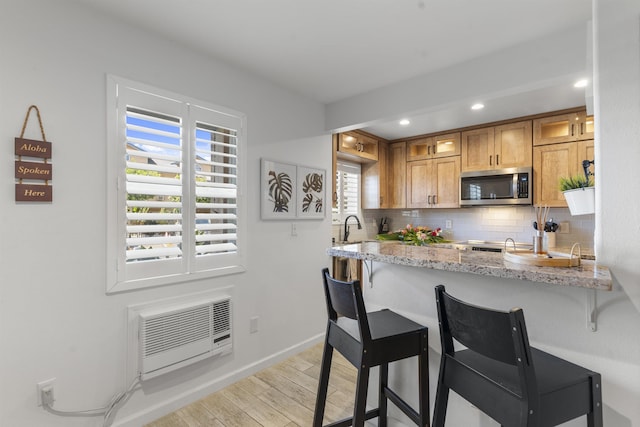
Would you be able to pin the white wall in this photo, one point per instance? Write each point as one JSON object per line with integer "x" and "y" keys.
{"x": 55, "y": 319}
{"x": 617, "y": 110}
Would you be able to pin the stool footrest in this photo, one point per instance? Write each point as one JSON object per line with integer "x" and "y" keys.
{"x": 373, "y": 413}
{"x": 402, "y": 405}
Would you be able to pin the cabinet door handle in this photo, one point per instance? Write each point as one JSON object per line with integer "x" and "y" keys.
{"x": 497, "y": 159}
{"x": 490, "y": 160}
{"x": 435, "y": 199}
{"x": 428, "y": 150}
{"x": 572, "y": 129}
{"x": 429, "y": 199}
{"x": 434, "y": 150}
{"x": 581, "y": 128}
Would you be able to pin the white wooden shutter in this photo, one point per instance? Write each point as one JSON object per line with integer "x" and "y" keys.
{"x": 348, "y": 189}
{"x": 216, "y": 189}
{"x": 215, "y": 185}
{"x": 154, "y": 186}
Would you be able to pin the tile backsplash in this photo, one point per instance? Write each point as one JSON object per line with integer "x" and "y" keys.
{"x": 486, "y": 223}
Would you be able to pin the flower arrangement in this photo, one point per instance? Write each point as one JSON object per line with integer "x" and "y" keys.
{"x": 411, "y": 235}
{"x": 420, "y": 235}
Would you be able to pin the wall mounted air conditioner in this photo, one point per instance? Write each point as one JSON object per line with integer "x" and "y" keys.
{"x": 170, "y": 337}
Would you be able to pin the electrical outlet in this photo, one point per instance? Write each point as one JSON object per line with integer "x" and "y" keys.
{"x": 294, "y": 229}
{"x": 564, "y": 228}
{"x": 45, "y": 387}
{"x": 447, "y": 224}
{"x": 253, "y": 325}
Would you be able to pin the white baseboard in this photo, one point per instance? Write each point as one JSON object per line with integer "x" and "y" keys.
{"x": 176, "y": 402}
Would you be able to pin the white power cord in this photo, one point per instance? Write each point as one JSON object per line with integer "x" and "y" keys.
{"x": 107, "y": 411}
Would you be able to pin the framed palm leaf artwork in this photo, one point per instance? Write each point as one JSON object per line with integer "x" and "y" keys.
{"x": 311, "y": 188}
{"x": 278, "y": 190}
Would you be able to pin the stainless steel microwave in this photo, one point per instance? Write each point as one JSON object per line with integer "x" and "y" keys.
{"x": 511, "y": 186}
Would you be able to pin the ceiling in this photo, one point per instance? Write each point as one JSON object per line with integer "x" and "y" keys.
{"x": 330, "y": 50}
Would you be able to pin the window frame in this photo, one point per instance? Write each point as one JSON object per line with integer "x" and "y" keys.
{"x": 191, "y": 267}
{"x": 338, "y": 215}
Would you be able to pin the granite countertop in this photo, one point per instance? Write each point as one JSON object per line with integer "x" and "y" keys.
{"x": 587, "y": 275}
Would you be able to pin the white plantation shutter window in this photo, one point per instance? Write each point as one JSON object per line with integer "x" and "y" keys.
{"x": 154, "y": 186}
{"x": 216, "y": 190}
{"x": 178, "y": 199}
{"x": 348, "y": 189}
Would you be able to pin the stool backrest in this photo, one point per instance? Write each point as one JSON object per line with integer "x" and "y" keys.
{"x": 494, "y": 334}
{"x": 482, "y": 330}
{"x": 345, "y": 299}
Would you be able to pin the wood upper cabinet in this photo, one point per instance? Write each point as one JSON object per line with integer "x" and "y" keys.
{"x": 563, "y": 128}
{"x": 433, "y": 183}
{"x": 374, "y": 180}
{"x": 513, "y": 145}
{"x": 497, "y": 147}
{"x": 434, "y": 147}
{"x": 553, "y": 161}
{"x": 586, "y": 151}
{"x": 358, "y": 145}
{"x": 550, "y": 162}
{"x": 418, "y": 189}
{"x": 477, "y": 147}
{"x": 396, "y": 175}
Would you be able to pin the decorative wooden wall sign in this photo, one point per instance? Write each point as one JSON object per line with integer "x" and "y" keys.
{"x": 34, "y": 170}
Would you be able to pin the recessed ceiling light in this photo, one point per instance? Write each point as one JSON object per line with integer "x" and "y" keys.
{"x": 477, "y": 106}
{"x": 404, "y": 122}
{"x": 581, "y": 83}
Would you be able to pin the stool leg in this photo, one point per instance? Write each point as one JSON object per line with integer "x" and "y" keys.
{"x": 594, "y": 418}
{"x": 442, "y": 398}
{"x": 323, "y": 384}
{"x": 382, "y": 397}
{"x": 423, "y": 382}
{"x": 360, "y": 406}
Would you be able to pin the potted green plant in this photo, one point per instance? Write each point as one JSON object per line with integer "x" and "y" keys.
{"x": 579, "y": 193}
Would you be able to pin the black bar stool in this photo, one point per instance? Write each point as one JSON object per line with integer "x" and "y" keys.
{"x": 500, "y": 374}
{"x": 367, "y": 340}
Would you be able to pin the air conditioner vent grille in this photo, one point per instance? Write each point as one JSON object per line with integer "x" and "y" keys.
{"x": 221, "y": 318}
{"x": 175, "y": 330}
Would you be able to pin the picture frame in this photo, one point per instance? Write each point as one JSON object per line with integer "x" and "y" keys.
{"x": 311, "y": 193}
{"x": 278, "y": 182}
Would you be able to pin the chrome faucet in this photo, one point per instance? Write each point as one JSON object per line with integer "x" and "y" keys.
{"x": 346, "y": 227}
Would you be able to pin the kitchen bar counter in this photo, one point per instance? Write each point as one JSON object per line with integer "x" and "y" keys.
{"x": 587, "y": 275}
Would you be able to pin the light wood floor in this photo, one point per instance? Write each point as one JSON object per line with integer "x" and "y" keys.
{"x": 283, "y": 395}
